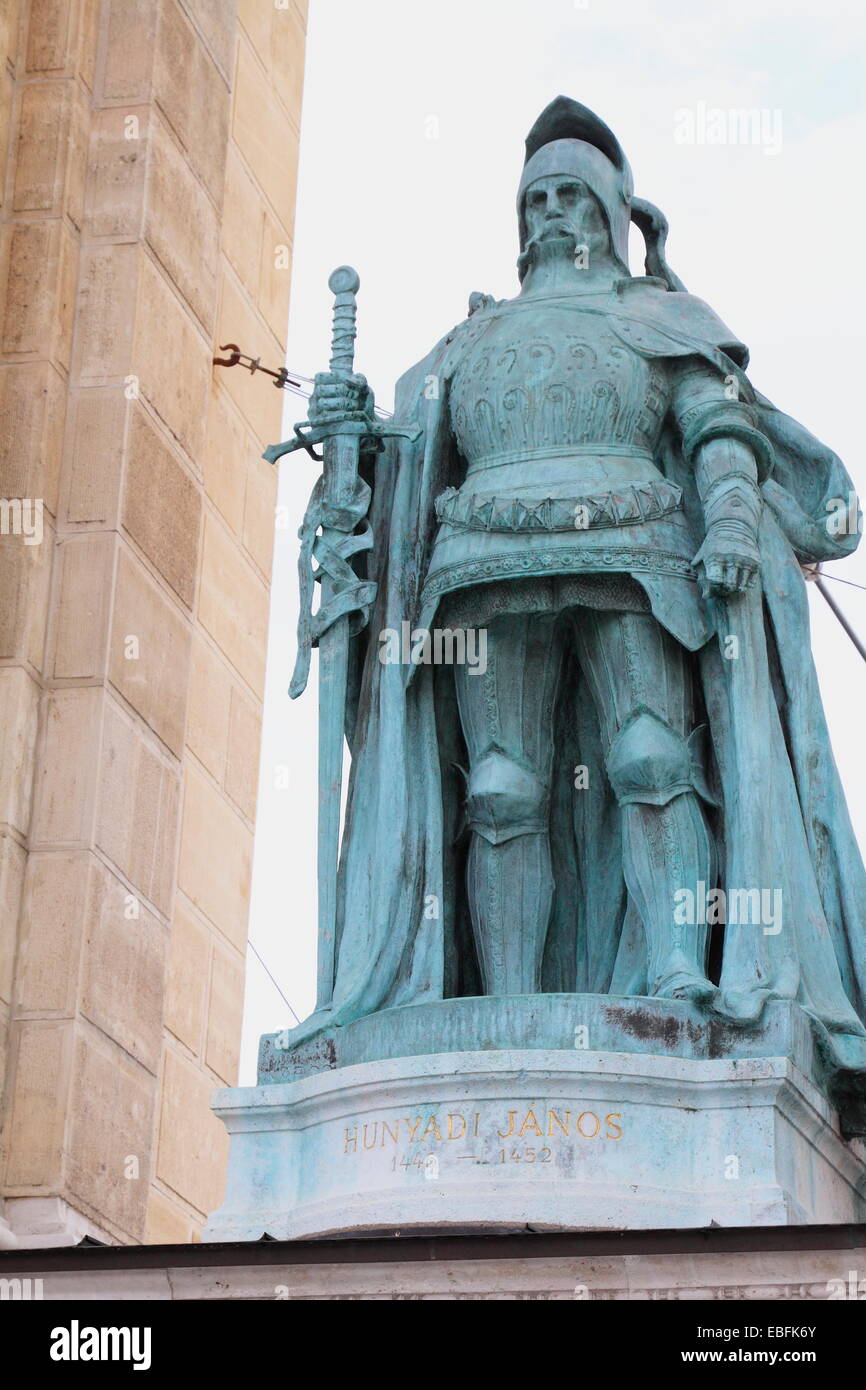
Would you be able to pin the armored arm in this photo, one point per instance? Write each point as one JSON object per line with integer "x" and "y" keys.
{"x": 730, "y": 458}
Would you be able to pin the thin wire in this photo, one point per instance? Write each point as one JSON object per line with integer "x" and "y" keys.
{"x": 839, "y": 580}
{"x": 834, "y": 608}
{"x": 272, "y": 980}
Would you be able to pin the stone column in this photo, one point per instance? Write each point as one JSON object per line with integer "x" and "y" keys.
{"x": 147, "y": 217}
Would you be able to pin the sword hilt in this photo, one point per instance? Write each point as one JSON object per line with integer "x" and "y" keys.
{"x": 344, "y": 283}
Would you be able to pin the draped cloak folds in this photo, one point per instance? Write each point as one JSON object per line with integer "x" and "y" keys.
{"x": 403, "y": 932}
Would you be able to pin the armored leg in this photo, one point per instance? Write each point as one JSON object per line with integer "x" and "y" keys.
{"x": 640, "y": 684}
{"x": 507, "y": 718}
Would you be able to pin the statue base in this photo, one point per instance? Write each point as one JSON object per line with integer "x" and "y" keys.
{"x": 634, "y": 1134}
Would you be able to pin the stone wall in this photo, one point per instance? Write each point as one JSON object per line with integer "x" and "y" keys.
{"x": 149, "y": 156}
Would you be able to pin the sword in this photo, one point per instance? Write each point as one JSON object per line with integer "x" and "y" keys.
{"x": 341, "y": 448}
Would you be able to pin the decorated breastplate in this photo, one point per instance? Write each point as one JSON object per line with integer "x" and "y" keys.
{"x": 544, "y": 381}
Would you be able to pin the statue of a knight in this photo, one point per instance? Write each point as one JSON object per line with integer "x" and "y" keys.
{"x": 598, "y": 488}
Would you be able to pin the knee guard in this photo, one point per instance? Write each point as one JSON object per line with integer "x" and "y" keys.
{"x": 650, "y": 763}
{"x": 505, "y": 798}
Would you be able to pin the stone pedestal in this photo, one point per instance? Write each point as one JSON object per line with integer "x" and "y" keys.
{"x": 542, "y": 1137}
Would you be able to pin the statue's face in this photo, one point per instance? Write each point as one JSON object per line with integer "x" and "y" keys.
{"x": 559, "y": 207}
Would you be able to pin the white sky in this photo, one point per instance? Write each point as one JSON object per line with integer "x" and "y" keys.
{"x": 768, "y": 239}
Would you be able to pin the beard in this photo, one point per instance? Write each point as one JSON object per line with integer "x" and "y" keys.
{"x": 559, "y": 244}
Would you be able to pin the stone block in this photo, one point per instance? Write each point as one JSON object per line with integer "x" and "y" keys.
{"x": 216, "y": 23}
{"x": 260, "y": 514}
{"x": 181, "y": 225}
{"x": 91, "y": 482}
{"x": 40, "y": 261}
{"x": 288, "y": 41}
{"x": 242, "y": 767}
{"x": 42, "y": 148}
{"x": 38, "y": 1104}
{"x": 229, "y": 450}
{"x": 167, "y": 1222}
{"x": 215, "y": 857}
{"x": 109, "y": 1154}
{"x": 88, "y": 38}
{"x": 192, "y": 1144}
{"x": 119, "y": 152}
{"x": 66, "y": 775}
{"x": 107, "y": 312}
{"x": 162, "y": 506}
{"x": 136, "y": 823}
{"x": 186, "y": 990}
{"x": 25, "y": 571}
{"x": 233, "y": 604}
{"x": 193, "y": 96}
{"x": 265, "y": 137}
{"x": 242, "y": 217}
{"x": 275, "y": 277}
{"x": 48, "y": 36}
{"x": 19, "y": 708}
{"x": 13, "y": 860}
{"x": 172, "y": 360}
{"x": 85, "y": 581}
{"x": 208, "y": 707}
{"x": 255, "y": 20}
{"x": 225, "y": 1013}
{"x": 130, "y": 47}
{"x": 55, "y": 908}
{"x": 149, "y": 651}
{"x": 32, "y": 410}
{"x": 123, "y": 980}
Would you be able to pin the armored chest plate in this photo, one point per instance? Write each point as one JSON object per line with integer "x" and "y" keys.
{"x": 546, "y": 381}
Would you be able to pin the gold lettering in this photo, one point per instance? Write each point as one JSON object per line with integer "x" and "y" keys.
{"x": 510, "y": 1130}
{"x": 609, "y": 1119}
{"x": 375, "y": 1132}
{"x": 351, "y": 1139}
{"x": 580, "y": 1126}
{"x": 451, "y": 1134}
{"x": 393, "y": 1134}
{"x": 475, "y": 1128}
{"x": 432, "y": 1125}
{"x": 413, "y": 1129}
{"x": 553, "y": 1118}
{"x": 530, "y": 1123}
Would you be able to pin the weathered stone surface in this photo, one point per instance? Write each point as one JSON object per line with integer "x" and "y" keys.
{"x": 172, "y": 360}
{"x": 228, "y": 449}
{"x": 242, "y": 767}
{"x": 120, "y": 146}
{"x": 233, "y": 604}
{"x": 215, "y": 857}
{"x": 32, "y": 405}
{"x": 181, "y": 225}
{"x": 91, "y": 486}
{"x": 85, "y": 565}
{"x": 137, "y": 812}
{"x": 124, "y": 967}
{"x": 209, "y": 707}
{"x": 149, "y": 651}
{"x": 19, "y": 705}
{"x": 12, "y": 865}
{"x": 109, "y": 1153}
{"x": 192, "y": 1144}
{"x": 37, "y": 1105}
{"x": 225, "y": 1010}
{"x": 130, "y": 49}
{"x": 65, "y": 792}
{"x": 193, "y": 95}
{"x": 243, "y": 213}
{"x": 55, "y": 909}
{"x": 162, "y": 506}
{"x": 167, "y": 1223}
{"x": 187, "y": 985}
